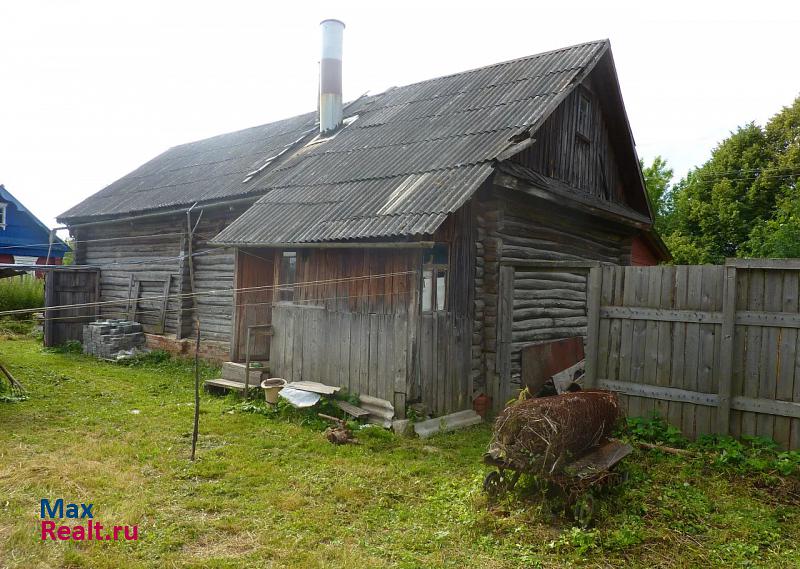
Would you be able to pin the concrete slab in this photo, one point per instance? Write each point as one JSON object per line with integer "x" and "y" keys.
{"x": 447, "y": 423}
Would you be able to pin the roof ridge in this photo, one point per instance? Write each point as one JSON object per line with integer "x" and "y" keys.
{"x": 392, "y": 89}
{"x": 498, "y": 64}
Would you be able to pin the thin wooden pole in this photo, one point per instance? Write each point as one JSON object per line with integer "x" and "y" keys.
{"x": 247, "y": 365}
{"x": 196, "y": 319}
{"x": 594, "y": 285}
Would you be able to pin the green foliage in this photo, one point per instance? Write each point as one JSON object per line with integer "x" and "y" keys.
{"x": 16, "y": 327}
{"x": 68, "y": 347}
{"x": 744, "y": 201}
{"x": 748, "y": 456}
{"x": 655, "y": 430}
{"x": 21, "y": 292}
{"x": 166, "y": 362}
{"x": 657, "y": 178}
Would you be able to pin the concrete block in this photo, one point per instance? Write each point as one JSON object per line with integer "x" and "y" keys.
{"x": 402, "y": 427}
{"x": 447, "y": 423}
{"x": 234, "y": 371}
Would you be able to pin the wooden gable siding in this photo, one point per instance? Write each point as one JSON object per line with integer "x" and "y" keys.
{"x": 583, "y": 159}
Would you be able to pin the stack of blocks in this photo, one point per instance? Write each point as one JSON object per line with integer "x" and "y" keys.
{"x": 113, "y": 339}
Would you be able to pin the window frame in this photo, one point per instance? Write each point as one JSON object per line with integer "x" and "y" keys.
{"x": 583, "y": 126}
{"x": 284, "y": 287}
{"x": 434, "y": 271}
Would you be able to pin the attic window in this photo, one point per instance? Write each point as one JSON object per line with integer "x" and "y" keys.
{"x": 584, "y": 117}
{"x": 3, "y": 215}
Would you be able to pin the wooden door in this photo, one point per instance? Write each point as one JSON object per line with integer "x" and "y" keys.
{"x": 253, "y": 302}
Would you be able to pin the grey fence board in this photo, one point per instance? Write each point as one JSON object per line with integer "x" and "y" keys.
{"x": 713, "y": 349}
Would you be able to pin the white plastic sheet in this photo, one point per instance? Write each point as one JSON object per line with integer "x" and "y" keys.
{"x": 299, "y": 398}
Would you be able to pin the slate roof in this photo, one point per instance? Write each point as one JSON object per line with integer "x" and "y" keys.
{"x": 413, "y": 155}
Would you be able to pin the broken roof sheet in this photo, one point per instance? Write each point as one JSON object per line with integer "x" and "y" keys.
{"x": 413, "y": 155}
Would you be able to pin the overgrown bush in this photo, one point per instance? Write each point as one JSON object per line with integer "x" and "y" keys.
{"x": 16, "y": 327}
{"x": 748, "y": 455}
{"x": 24, "y": 291}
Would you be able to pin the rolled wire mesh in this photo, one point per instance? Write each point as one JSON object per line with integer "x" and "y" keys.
{"x": 542, "y": 435}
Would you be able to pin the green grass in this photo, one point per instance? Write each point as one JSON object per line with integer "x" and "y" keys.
{"x": 24, "y": 291}
{"x": 267, "y": 490}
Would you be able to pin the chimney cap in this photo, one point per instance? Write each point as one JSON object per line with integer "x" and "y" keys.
{"x": 332, "y": 20}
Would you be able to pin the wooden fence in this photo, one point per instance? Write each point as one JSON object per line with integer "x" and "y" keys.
{"x": 714, "y": 349}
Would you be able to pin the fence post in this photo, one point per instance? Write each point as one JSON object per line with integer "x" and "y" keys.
{"x": 594, "y": 286}
{"x": 726, "y": 350}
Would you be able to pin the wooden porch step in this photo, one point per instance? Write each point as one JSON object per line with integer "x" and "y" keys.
{"x": 228, "y": 384}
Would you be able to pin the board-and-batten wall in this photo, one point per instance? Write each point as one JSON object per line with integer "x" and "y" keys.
{"x": 355, "y": 321}
{"x": 153, "y": 251}
{"x": 348, "y": 322}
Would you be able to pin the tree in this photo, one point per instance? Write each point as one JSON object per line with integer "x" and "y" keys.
{"x": 744, "y": 200}
{"x": 657, "y": 179}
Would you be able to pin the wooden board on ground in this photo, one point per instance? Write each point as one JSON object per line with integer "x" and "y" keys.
{"x": 351, "y": 409}
{"x": 314, "y": 387}
{"x": 227, "y": 384}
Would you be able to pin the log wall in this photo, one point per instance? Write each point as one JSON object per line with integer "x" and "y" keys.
{"x": 530, "y": 304}
{"x": 140, "y": 256}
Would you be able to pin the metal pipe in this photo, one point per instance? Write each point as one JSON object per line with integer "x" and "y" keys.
{"x": 330, "y": 76}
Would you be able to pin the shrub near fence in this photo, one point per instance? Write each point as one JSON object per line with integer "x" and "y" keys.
{"x": 25, "y": 291}
{"x": 713, "y": 349}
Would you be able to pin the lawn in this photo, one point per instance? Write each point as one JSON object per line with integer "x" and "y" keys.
{"x": 267, "y": 491}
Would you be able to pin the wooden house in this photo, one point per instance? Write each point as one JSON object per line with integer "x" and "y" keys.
{"x": 24, "y": 239}
{"x": 374, "y": 253}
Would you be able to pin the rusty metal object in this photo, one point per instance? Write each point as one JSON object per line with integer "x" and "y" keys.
{"x": 542, "y": 361}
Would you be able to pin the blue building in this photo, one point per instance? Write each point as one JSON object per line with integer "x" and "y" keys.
{"x": 23, "y": 238}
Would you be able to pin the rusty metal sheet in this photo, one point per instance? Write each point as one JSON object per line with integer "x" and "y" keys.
{"x": 543, "y": 360}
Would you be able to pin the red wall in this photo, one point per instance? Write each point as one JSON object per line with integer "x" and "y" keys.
{"x": 642, "y": 254}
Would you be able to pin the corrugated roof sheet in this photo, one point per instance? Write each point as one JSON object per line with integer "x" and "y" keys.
{"x": 414, "y": 155}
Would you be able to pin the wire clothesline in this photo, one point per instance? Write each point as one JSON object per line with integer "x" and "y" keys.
{"x": 243, "y": 304}
{"x": 213, "y": 292}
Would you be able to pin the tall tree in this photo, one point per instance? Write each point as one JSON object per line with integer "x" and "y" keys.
{"x": 743, "y": 200}
{"x": 657, "y": 179}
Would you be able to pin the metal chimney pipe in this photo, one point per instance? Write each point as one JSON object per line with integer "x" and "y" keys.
{"x": 330, "y": 76}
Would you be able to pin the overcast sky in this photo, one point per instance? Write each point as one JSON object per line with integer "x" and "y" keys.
{"x": 92, "y": 89}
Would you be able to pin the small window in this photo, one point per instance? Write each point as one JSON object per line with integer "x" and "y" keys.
{"x": 435, "y": 264}
{"x": 287, "y": 275}
{"x": 3, "y": 215}
{"x": 584, "y": 117}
